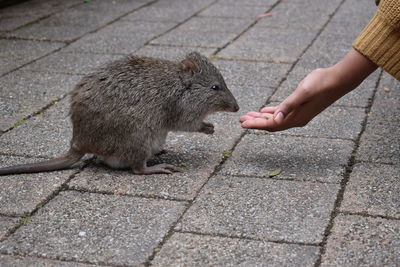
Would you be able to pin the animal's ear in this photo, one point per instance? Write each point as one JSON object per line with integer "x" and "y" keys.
{"x": 189, "y": 67}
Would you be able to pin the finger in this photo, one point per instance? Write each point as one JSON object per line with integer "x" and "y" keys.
{"x": 268, "y": 109}
{"x": 257, "y": 123}
{"x": 245, "y": 118}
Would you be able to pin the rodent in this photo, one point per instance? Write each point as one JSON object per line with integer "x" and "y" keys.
{"x": 123, "y": 112}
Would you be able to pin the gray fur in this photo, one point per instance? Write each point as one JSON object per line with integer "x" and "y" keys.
{"x": 124, "y": 111}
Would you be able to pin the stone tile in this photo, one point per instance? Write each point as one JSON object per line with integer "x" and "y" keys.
{"x": 171, "y": 52}
{"x": 166, "y": 11}
{"x": 373, "y": 189}
{"x": 252, "y": 74}
{"x": 357, "y": 240}
{"x": 380, "y": 146}
{"x": 298, "y": 158}
{"x": 197, "y": 167}
{"x": 380, "y": 142}
{"x": 194, "y": 38}
{"x": 121, "y": 37}
{"x": 265, "y": 209}
{"x": 332, "y": 123}
{"x": 231, "y": 11}
{"x": 24, "y": 51}
{"x": 76, "y": 21}
{"x": 215, "y": 24}
{"x": 188, "y": 250}
{"x": 288, "y": 15}
{"x": 71, "y": 63}
{"x": 41, "y": 31}
{"x": 45, "y": 135}
{"x": 21, "y": 194}
{"x": 15, "y": 16}
{"x": 22, "y": 93}
{"x": 6, "y": 224}
{"x": 95, "y": 228}
{"x": 257, "y": 44}
{"x": 135, "y": 29}
{"x": 227, "y": 127}
{"x": 9, "y": 64}
{"x": 239, "y": 4}
{"x": 9, "y": 261}
{"x": 104, "y": 44}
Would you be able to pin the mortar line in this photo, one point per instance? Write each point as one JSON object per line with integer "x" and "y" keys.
{"x": 365, "y": 214}
{"x": 248, "y": 238}
{"x": 346, "y": 176}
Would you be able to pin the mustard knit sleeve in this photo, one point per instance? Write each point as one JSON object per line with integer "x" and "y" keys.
{"x": 380, "y": 40}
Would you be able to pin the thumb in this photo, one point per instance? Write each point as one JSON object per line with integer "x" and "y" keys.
{"x": 287, "y": 106}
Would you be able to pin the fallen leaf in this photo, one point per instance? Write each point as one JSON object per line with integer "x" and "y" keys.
{"x": 386, "y": 89}
{"x": 275, "y": 172}
{"x": 263, "y": 15}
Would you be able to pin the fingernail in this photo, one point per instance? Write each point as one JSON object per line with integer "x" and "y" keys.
{"x": 279, "y": 117}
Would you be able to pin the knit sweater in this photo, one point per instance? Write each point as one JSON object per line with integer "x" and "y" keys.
{"x": 380, "y": 40}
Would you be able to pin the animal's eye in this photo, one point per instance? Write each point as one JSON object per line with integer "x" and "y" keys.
{"x": 215, "y": 87}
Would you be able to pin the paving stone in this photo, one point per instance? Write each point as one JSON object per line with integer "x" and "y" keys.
{"x": 40, "y": 31}
{"x": 122, "y": 37}
{"x": 166, "y": 11}
{"x": 102, "y": 44}
{"x": 21, "y": 194}
{"x": 231, "y": 11}
{"x": 373, "y": 189}
{"x": 289, "y": 15}
{"x": 95, "y": 228}
{"x": 22, "y": 93}
{"x": 265, "y": 209}
{"x": 24, "y": 51}
{"x": 71, "y": 63}
{"x": 113, "y": 9}
{"x": 136, "y": 28}
{"x": 360, "y": 97}
{"x": 45, "y": 135}
{"x": 261, "y": 74}
{"x": 257, "y": 44}
{"x": 6, "y": 224}
{"x": 10, "y": 261}
{"x": 239, "y": 4}
{"x": 15, "y": 16}
{"x": 9, "y": 64}
{"x": 298, "y": 158}
{"x": 332, "y": 123}
{"x": 194, "y": 38}
{"x": 75, "y": 22}
{"x": 380, "y": 142}
{"x": 227, "y": 127}
{"x": 188, "y": 250}
{"x": 357, "y": 240}
{"x": 197, "y": 167}
{"x": 215, "y": 24}
{"x": 171, "y": 52}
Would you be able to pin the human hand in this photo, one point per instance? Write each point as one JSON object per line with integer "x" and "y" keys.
{"x": 315, "y": 92}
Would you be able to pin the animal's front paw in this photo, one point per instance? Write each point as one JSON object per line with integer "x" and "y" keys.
{"x": 207, "y": 128}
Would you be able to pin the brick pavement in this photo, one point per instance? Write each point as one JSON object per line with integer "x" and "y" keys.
{"x": 335, "y": 203}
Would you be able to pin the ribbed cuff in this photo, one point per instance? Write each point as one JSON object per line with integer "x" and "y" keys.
{"x": 380, "y": 42}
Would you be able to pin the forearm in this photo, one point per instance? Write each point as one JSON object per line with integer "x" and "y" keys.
{"x": 349, "y": 72}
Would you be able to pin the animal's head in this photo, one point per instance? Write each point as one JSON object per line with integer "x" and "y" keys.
{"x": 205, "y": 90}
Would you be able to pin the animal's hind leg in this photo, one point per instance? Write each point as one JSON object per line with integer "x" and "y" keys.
{"x": 162, "y": 168}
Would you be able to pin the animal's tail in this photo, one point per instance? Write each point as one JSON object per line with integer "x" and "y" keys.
{"x": 63, "y": 162}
